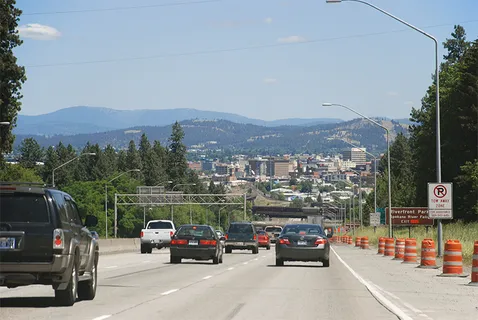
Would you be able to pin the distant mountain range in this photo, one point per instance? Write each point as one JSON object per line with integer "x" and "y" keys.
{"x": 240, "y": 137}
{"x": 80, "y": 120}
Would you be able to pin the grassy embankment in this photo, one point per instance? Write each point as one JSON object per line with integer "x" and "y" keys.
{"x": 466, "y": 233}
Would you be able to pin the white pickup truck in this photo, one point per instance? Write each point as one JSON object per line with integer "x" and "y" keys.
{"x": 157, "y": 234}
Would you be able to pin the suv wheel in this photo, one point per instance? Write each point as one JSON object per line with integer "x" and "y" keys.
{"x": 228, "y": 249}
{"x": 255, "y": 250}
{"x": 143, "y": 249}
{"x": 67, "y": 297}
{"x": 87, "y": 289}
{"x": 279, "y": 262}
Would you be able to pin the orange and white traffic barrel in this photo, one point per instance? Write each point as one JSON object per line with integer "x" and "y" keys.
{"x": 399, "y": 249}
{"x": 453, "y": 260}
{"x": 349, "y": 240}
{"x": 389, "y": 247}
{"x": 358, "y": 241}
{"x": 410, "y": 255}
{"x": 428, "y": 255}
{"x": 381, "y": 245}
{"x": 364, "y": 243}
{"x": 474, "y": 267}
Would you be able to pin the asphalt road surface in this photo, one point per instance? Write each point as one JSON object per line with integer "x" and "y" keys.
{"x": 245, "y": 286}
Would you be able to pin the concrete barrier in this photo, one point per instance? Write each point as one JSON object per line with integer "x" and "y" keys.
{"x": 111, "y": 246}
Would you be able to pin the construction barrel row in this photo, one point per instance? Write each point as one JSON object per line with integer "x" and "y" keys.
{"x": 405, "y": 250}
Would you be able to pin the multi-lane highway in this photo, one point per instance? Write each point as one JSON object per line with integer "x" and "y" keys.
{"x": 245, "y": 286}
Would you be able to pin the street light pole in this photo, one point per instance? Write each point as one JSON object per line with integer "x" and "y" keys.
{"x": 106, "y": 198}
{"x": 390, "y": 226}
{"x": 375, "y": 170}
{"x": 437, "y": 111}
{"x": 64, "y": 164}
{"x": 360, "y": 197}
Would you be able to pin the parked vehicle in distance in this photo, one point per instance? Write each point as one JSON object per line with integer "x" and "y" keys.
{"x": 221, "y": 235}
{"x": 196, "y": 242}
{"x": 264, "y": 240}
{"x": 273, "y": 232}
{"x": 95, "y": 235}
{"x": 43, "y": 240}
{"x": 302, "y": 242}
{"x": 242, "y": 236}
{"x": 157, "y": 234}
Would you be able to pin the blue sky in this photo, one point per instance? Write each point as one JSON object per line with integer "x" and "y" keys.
{"x": 378, "y": 75}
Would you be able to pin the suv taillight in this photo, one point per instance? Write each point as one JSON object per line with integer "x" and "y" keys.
{"x": 171, "y": 234}
{"x": 226, "y": 236}
{"x": 255, "y": 237}
{"x": 58, "y": 239}
{"x": 141, "y": 234}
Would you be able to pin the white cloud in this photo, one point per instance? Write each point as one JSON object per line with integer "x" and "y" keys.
{"x": 268, "y": 20}
{"x": 38, "y": 32}
{"x": 291, "y": 39}
{"x": 270, "y": 80}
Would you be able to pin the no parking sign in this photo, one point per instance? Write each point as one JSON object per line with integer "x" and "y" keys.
{"x": 440, "y": 200}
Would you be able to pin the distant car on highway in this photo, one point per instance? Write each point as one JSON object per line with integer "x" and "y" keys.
{"x": 157, "y": 234}
{"x": 196, "y": 242}
{"x": 264, "y": 240}
{"x": 273, "y": 232}
{"x": 44, "y": 240}
{"x": 242, "y": 236}
{"x": 302, "y": 242}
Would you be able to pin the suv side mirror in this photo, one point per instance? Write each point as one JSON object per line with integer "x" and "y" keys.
{"x": 91, "y": 221}
{"x": 222, "y": 238}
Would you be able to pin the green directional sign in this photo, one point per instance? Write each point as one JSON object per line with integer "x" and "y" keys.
{"x": 382, "y": 215}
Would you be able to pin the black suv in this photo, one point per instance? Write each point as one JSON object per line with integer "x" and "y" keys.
{"x": 242, "y": 236}
{"x": 44, "y": 241}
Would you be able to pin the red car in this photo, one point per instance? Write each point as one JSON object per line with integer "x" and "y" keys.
{"x": 264, "y": 240}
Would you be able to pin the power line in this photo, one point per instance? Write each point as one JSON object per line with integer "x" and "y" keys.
{"x": 195, "y": 53}
{"x": 122, "y": 8}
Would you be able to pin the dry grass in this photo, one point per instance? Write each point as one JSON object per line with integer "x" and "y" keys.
{"x": 466, "y": 233}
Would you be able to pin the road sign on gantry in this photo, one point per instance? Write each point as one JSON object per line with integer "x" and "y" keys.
{"x": 440, "y": 200}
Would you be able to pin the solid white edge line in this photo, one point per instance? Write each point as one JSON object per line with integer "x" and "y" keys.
{"x": 106, "y": 316}
{"x": 384, "y": 301}
{"x": 111, "y": 267}
{"x": 207, "y": 277}
{"x": 169, "y": 292}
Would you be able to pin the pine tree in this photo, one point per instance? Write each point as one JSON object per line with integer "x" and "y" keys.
{"x": 12, "y": 75}
{"x": 177, "y": 163}
{"x": 30, "y": 153}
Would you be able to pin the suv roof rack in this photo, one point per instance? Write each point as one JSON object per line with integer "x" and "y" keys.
{"x": 22, "y": 183}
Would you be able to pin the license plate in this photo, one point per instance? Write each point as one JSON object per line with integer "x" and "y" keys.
{"x": 7, "y": 243}
{"x": 302, "y": 243}
{"x": 238, "y": 243}
{"x": 193, "y": 242}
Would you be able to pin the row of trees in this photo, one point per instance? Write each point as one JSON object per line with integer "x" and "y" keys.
{"x": 413, "y": 159}
{"x": 85, "y": 179}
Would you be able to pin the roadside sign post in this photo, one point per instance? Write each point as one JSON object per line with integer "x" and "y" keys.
{"x": 440, "y": 201}
{"x": 440, "y": 206}
{"x": 375, "y": 220}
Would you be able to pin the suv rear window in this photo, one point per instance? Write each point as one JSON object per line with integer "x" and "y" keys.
{"x": 273, "y": 229}
{"x": 241, "y": 228}
{"x": 195, "y": 231}
{"x": 160, "y": 225}
{"x": 23, "y": 207}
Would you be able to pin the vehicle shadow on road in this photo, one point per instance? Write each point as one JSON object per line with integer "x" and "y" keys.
{"x": 295, "y": 266}
{"x": 28, "y": 302}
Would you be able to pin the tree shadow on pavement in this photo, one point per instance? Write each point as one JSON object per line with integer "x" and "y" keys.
{"x": 28, "y": 302}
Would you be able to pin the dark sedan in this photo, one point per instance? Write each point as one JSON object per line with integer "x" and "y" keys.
{"x": 302, "y": 242}
{"x": 196, "y": 242}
